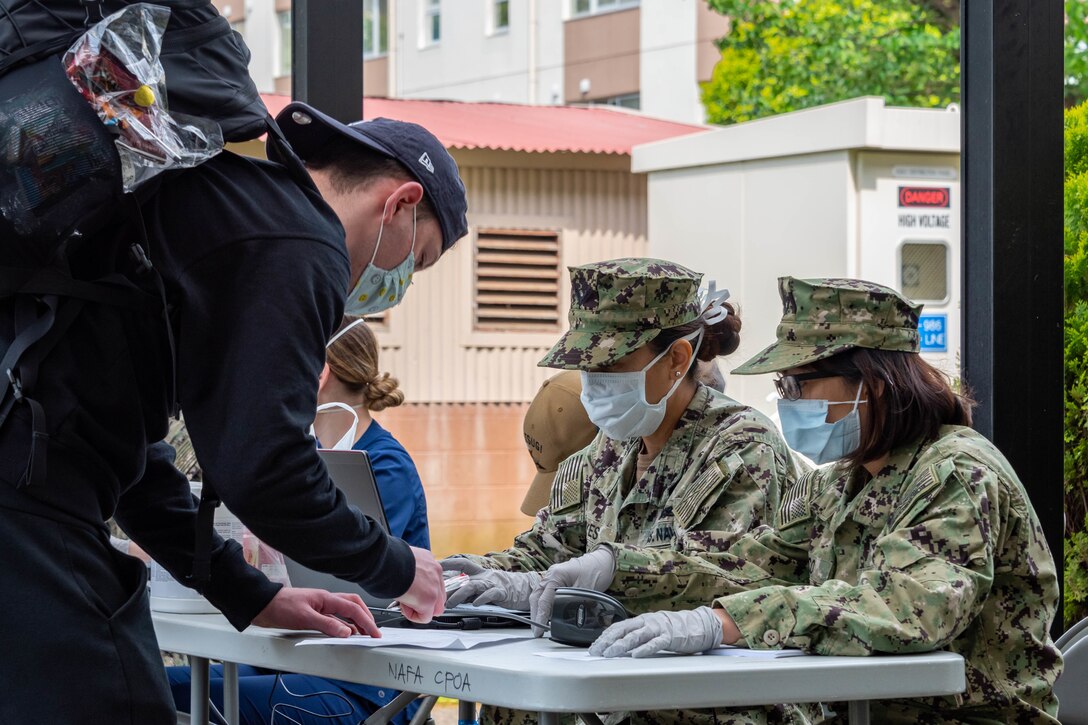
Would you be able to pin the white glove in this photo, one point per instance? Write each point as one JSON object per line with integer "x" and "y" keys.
{"x": 594, "y": 570}
{"x": 688, "y": 632}
{"x": 510, "y": 589}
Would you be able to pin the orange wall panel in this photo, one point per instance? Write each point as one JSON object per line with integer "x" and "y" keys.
{"x": 475, "y": 470}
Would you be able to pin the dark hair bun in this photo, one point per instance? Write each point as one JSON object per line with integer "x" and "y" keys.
{"x": 721, "y": 338}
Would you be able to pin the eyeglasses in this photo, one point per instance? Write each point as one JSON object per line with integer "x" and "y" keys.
{"x": 789, "y": 386}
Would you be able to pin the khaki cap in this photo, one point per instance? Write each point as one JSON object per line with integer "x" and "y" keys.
{"x": 556, "y": 427}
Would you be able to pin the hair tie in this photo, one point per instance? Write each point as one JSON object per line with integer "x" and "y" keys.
{"x": 712, "y": 302}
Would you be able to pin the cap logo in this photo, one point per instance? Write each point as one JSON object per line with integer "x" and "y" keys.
{"x": 302, "y": 119}
{"x": 426, "y": 161}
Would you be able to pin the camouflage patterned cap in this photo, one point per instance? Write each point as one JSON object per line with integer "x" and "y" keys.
{"x": 618, "y": 306}
{"x": 823, "y": 317}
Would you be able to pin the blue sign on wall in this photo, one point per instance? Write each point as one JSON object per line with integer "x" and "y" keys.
{"x": 934, "y": 332}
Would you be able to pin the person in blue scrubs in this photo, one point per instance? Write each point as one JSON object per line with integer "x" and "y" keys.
{"x": 350, "y": 387}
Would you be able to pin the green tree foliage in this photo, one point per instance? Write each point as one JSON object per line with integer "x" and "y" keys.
{"x": 1076, "y": 363}
{"x": 1076, "y": 51}
{"x": 792, "y": 54}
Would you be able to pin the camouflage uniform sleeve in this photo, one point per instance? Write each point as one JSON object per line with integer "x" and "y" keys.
{"x": 559, "y": 531}
{"x": 736, "y": 491}
{"x": 925, "y": 580}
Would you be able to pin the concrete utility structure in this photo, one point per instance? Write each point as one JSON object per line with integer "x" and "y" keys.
{"x": 851, "y": 189}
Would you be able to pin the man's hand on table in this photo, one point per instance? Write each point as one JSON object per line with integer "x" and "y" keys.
{"x": 426, "y": 598}
{"x": 298, "y": 608}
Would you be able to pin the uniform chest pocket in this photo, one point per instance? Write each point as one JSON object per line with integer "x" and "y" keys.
{"x": 820, "y": 567}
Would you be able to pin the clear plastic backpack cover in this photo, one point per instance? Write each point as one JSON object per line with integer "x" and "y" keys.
{"x": 115, "y": 67}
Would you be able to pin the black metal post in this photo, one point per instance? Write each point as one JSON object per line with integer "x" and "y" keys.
{"x": 1012, "y": 160}
{"x": 327, "y": 56}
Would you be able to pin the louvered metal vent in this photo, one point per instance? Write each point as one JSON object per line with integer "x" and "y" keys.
{"x": 517, "y": 280}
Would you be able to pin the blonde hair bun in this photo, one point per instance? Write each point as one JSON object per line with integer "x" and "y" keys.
{"x": 383, "y": 392}
{"x": 353, "y": 359}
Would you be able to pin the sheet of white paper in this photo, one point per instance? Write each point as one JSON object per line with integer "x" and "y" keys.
{"x": 427, "y": 638}
{"x": 578, "y": 655}
{"x": 581, "y": 655}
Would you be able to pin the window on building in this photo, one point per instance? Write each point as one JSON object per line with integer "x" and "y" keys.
{"x": 375, "y": 28}
{"x": 923, "y": 271}
{"x": 591, "y": 7}
{"x": 627, "y": 100}
{"x": 517, "y": 280}
{"x": 500, "y": 16}
{"x": 432, "y": 22}
{"x": 284, "y": 64}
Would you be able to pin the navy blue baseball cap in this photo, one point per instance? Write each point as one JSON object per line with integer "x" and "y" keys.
{"x": 416, "y": 148}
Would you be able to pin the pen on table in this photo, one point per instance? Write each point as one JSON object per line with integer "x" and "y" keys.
{"x": 355, "y": 628}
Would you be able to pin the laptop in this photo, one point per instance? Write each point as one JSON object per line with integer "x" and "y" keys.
{"x": 353, "y": 475}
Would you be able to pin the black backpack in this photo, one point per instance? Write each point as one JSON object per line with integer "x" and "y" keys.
{"x": 61, "y": 170}
{"x": 60, "y": 180}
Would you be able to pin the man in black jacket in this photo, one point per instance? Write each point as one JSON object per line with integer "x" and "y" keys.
{"x": 256, "y": 265}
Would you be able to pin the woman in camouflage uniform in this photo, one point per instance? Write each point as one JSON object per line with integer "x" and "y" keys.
{"x": 921, "y": 538}
{"x": 677, "y": 474}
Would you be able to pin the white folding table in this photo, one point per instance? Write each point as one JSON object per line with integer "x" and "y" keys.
{"x": 509, "y": 675}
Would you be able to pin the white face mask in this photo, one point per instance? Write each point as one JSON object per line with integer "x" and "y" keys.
{"x": 616, "y": 402}
{"x": 348, "y": 439}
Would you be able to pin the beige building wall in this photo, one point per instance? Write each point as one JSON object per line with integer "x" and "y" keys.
{"x": 709, "y": 28}
{"x": 376, "y": 77}
{"x": 599, "y": 212}
{"x": 660, "y": 50}
{"x": 605, "y": 50}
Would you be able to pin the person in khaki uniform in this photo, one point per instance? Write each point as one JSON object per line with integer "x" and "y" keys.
{"x": 556, "y": 426}
{"x": 920, "y": 537}
{"x": 677, "y": 473}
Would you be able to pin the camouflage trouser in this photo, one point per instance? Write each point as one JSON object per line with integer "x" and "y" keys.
{"x": 770, "y": 715}
{"x": 911, "y": 712}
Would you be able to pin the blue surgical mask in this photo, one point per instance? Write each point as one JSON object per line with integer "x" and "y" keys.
{"x": 616, "y": 402}
{"x": 379, "y": 289}
{"x": 806, "y": 430}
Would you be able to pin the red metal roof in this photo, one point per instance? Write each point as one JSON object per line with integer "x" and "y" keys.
{"x": 513, "y": 127}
